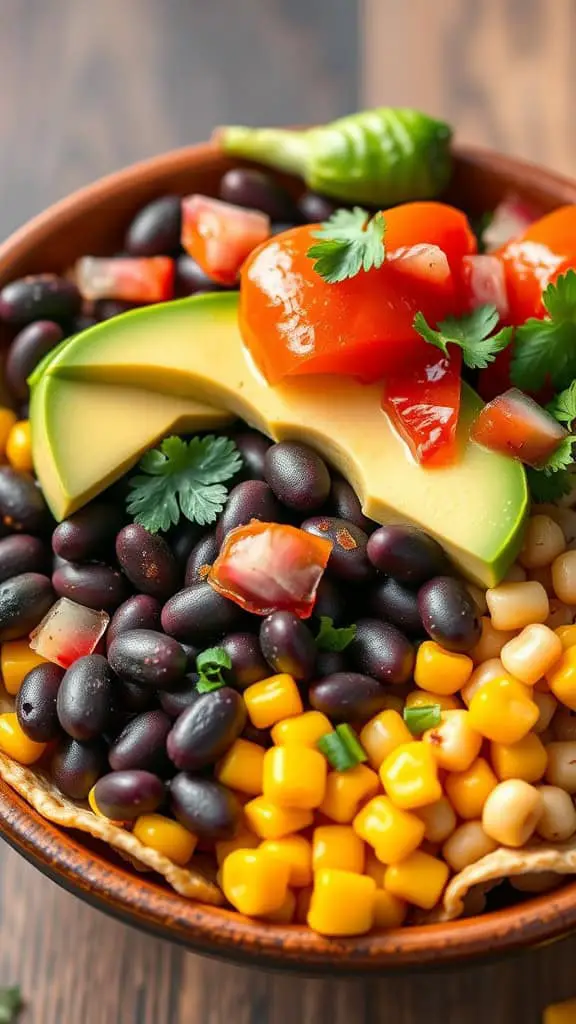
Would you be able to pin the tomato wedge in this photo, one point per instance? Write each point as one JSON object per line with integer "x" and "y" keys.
{"x": 434, "y": 224}
{"x": 484, "y": 283}
{"x": 141, "y": 279}
{"x": 546, "y": 249}
{"x": 513, "y": 424}
{"x": 423, "y": 402}
{"x": 219, "y": 236}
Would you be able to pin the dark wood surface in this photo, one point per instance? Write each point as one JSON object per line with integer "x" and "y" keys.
{"x": 86, "y": 87}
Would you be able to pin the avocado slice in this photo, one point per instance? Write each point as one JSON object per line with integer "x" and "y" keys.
{"x": 475, "y": 508}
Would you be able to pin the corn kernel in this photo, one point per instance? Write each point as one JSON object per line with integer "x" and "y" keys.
{"x": 343, "y": 903}
{"x": 567, "y": 636}
{"x": 374, "y": 868}
{"x": 410, "y": 776}
{"x": 562, "y": 679}
{"x": 439, "y": 671}
{"x": 439, "y": 820}
{"x": 391, "y": 831}
{"x": 271, "y": 700}
{"x": 564, "y": 577}
{"x": 166, "y": 836}
{"x": 420, "y": 880}
{"x": 303, "y": 901}
{"x": 390, "y": 912}
{"x": 561, "y": 767}
{"x": 531, "y": 654}
{"x": 301, "y": 731}
{"x": 515, "y": 605}
{"x": 294, "y": 777}
{"x": 244, "y": 840}
{"x": 382, "y": 734}
{"x": 454, "y": 743}
{"x": 254, "y": 883}
{"x": 271, "y": 822}
{"x": 502, "y": 711}
{"x": 242, "y": 767}
{"x": 547, "y": 704}
{"x": 467, "y": 844}
{"x": 424, "y": 698}
{"x": 19, "y": 447}
{"x": 560, "y": 1013}
{"x": 15, "y": 743}
{"x": 296, "y": 852}
{"x": 526, "y": 759}
{"x": 468, "y": 791}
{"x": 511, "y": 812}
{"x": 337, "y": 846}
{"x": 346, "y": 791}
{"x": 491, "y": 642}
{"x": 560, "y": 614}
{"x": 543, "y": 541}
{"x": 285, "y": 913}
{"x": 7, "y": 420}
{"x": 16, "y": 661}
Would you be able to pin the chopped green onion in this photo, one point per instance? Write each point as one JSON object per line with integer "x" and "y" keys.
{"x": 420, "y": 719}
{"x": 209, "y": 665}
{"x": 347, "y": 734}
{"x": 341, "y": 748}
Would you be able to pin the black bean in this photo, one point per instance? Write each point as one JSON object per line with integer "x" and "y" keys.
{"x": 330, "y": 662}
{"x": 297, "y": 475}
{"x": 248, "y": 663}
{"x": 253, "y": 447}
{"x": 206, "y": 729}
{"x": 381, "y": 651}
{"x": 36, "y": 703}
{"x": 107, "y": 309}
{"x": 75, "y": 767}
{"x": 347, "y": 696}
{"x": 348, "y": 560}
{"x": 191, "y": 653}
{"x": 407, "y": 554}
{"x": 208, "y": 809}
{"x": 252, "y": 499}
{"x": 23, "y": 553}
{"x": 397, "y": 603}
{"x": 279, "y": 227}
{"x": 148, "y": 658}
{"x": 138, "y": 612}
{"x": 191, "y": 279}
{"x": 147, "y": 561}
{"x": 288, "y": 645}
{"x": 260, "y": 736}
{"x": 197, "y": 614}
{"x": 155, "y": 230}
{"x": 27, "y": 349}
{"x": 449, "y": 613}
{"x": 95, "y": 586}
{"x": 330, "y": 601}
{"x": 175, "y": 701}
{"x": 39, "y": 297}
{"x": 256, "y": 190}
{"x": 86, "y": 698}
{"x": 200, "y": 559}
{"x": 87, "y": 534}
{"x": 183, "y": 538}
{"x": 132, "y": 698}
{"x": 142, "y": 743}
{"x": 24, "y": 601}
{"x": 314, "y": 208}
{"x": 124, "y": 796}
{"x": 345, "y": 504}
{"x": 22, "y": 505}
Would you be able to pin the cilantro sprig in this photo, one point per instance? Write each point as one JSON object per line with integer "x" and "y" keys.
{"x": 472, "y": 333}
{"x": 183, "y": 478}
{"x": 334, "y": 638}
{"x": 351, "y": 241}
{"x": 209, "y": 665}
{"x": 546, "y": 349}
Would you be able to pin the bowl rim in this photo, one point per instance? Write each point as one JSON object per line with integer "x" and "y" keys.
{"x": 140, "y": 901}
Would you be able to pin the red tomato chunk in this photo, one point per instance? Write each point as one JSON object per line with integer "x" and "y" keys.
{"x": 220, "y": 236}
{"x": 515, "y": 425}
{"x": 131, "y": 279}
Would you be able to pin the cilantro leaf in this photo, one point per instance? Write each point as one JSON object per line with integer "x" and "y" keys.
{"x": 183, "y": 478}
{"x": 561, "y": 458}
{"x": 563, "y": 406}
{"x": 471, "y": 333}
{"x": 547, "y": 348}
{"x": 333, "y": 638}
{"x": 546, "y": 488}
{"x": 10, "y": 1004}
{"x": 351, "y": 241}
{"x": 209, "y": 665}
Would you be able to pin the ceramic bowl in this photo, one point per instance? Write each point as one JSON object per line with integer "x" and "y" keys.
{"x": 93, "y": 221}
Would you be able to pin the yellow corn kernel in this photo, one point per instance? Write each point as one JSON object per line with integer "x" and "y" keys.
{"x": 526, "y": 759}
{"x": 301, "y": 731}
{"x": 294, "y": 777}
{"x": 424, "y": 698}
{"x": 245, "y": 840}
{"x": 271, "y": 700}
{"x": 166, "y": 836}
{"x": 382, "y": 734}
{"x": 420, "y": 879}
{"x": 7, "y": 420}
{"x": 19, "y": 447}
{"x": 491, "y": 669}
{"x": 15, "y": 743}
{"x": 567, "y": 636}
{"x": 254, "y": 883}
{"x": 390, "y": 912}
{"x": 454, "y": 743}
{"x": 560, "y": 1013}
{"x": 410, "y": 776}
{"x": 337, "y": 846}
{"x": 531, "y": 654}
{"x": 515, "y": 605}
{"x": 374, "y": 868}
{"x": 562, "y": 679}
{"x": 490, "y": 643}
{"x": 439, "y": 671}
{"x": 242, "y": 767}
{"x": 439, "y": 820}
{"x": 16, "y": 661}
{"x": 346, "y": 791}
{"x": 303, "y": 901}
{"x": 392, "y": 832}
{"x": 285, "y": 913}
{"x": 502, "y": 711}
{"x": 269, "y": 821}
{"x": 468, "y": 791}
{"x": 343, "y": 903}
{"x": 296, "y": 852}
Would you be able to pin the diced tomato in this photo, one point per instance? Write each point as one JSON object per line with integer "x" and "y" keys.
{"x": 433, "y": 224}
{"x": 484, "y": 283}
{"x": 68, "y": 632}
{"x": 267, "y": 567}
{"x": 220, "y": 236}
{"x": 510, "y": 219}
{"x": 513, "y": 424}
{"x": 129, "y": 278}
{"x": 546, "y": 249}
{"x": 423, "y": 402}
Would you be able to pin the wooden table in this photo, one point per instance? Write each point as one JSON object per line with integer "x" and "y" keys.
{"x": 86, "y": 87}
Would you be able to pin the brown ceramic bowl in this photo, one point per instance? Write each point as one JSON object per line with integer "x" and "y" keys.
{"x": 93, "y": 221}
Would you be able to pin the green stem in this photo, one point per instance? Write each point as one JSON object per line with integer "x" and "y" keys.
{"x": 276, "y": 147}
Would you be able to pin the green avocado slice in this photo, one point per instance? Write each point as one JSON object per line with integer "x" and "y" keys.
{"x": 193, "y": 349}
